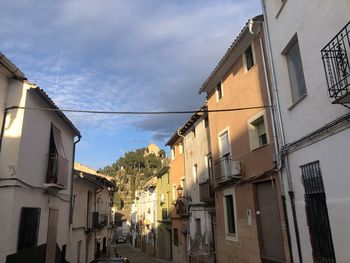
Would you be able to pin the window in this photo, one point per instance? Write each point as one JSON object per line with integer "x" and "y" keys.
{"x": 257, "y": 131}
{"x": 194, "y": 173}
{"x": 224, "y": 144}
{"x": 317, "y": 213}
{"x": 79, "y": 250}
{"x": 198, "y": 226}
{"x": 219, "y": 91}
{"x": 295, "y": 70}
{"x": 173, "y": 152}
{"x": 57, "y": 169}
{"x": 206, "y": 122}
{"x": 230, "y": 214}
{"x": 28, "y": 228}
{"x": 248, "y": 58}
{"x": 176, "y": 237}
{"x": 181, "y": 148}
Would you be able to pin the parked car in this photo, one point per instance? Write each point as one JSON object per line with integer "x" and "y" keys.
{"x": 121, "y": 239}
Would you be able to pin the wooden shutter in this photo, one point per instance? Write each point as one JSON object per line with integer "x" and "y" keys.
{"x": 28, "y": 228}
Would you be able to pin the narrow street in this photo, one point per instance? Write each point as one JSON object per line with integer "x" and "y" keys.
{"x": 133, "y": 254}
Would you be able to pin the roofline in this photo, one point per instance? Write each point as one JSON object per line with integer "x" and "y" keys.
{"x": 162, "y": 171}
{"x": 193, "y": 119}
{"x": 174, "y": 138}
{"x": 43, "y": 95}
{"x": 240, "y": 36}
{"x": 7, "y": 64}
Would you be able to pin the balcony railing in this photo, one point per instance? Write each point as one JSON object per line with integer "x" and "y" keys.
{"x": 96, "y": 220}
{"x": 336, "y": 57}
{"x": 206, "y": 193}
{"x": 227, "y": 169}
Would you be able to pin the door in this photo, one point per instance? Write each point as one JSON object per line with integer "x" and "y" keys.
{"x": 269, "y": 226}
{"x": 51, "y": 236}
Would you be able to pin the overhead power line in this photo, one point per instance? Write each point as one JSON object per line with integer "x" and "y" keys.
{"x": 137, "y": 112}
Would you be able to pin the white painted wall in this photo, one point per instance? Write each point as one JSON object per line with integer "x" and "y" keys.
{"x": 24, "y": 156}
{"x": 316, "y": 22}
{"x": 196, "y": 151}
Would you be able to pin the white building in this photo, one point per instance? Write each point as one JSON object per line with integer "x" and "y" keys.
{"x": 198, "y": 190}
{"x": 36, "y": 156}
{"x": 92, "y": 231}
{"x": 310, "y": 47}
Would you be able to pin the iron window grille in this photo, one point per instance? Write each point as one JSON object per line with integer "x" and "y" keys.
{"x": 335, "y": 57}
{"x": 317, "y": 213}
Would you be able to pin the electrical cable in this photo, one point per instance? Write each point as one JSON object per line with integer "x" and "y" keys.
{"x": 137, "y": 112}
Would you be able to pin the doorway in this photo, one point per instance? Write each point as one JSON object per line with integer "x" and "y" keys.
{"x": 268, "y": 222}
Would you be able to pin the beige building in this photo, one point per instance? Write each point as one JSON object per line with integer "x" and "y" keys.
{"x": 249, "y": 218}
{"x": 36, "y": 157}
{"x": 92, "y": 231}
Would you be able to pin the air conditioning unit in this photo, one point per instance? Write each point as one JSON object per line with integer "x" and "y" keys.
{"x": 236, "y": 168}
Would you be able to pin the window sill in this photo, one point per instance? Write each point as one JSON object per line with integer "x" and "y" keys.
{"x": 297, "y": 101}
{"x": 259, "y": 147}
{"x": 280, "y": 10}
{"x": 231, "y": 237}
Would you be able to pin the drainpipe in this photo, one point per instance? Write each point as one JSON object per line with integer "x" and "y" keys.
{"x": 283, "y": 142}
{"x": 70, "y": 225}
{"x": 274, "y": 133}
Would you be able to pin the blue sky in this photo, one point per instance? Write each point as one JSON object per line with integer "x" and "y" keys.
{"x": 122, "y": 55}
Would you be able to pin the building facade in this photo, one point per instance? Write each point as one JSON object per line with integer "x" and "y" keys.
{"x": 36, "y": 157}
{"x": 199, "y": 188}
{"x": 92, "y": 231}
{"x": 179, "y": 215}
{"x": 309, "y": 49}
{"x": 249, "y": 218}
{"x": 164, "y": 207}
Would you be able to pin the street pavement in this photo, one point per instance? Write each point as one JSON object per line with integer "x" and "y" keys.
{"x": 134, "y": 255}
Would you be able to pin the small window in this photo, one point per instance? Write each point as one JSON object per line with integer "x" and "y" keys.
{"x": 194, "y": 173}
{"x": 28, "y": 228}
{"x": 176, "y": 237}
{"x": 248, "y": 58}
{"x": 224, "y": 144}
{"x": 257, "y": 132}
{"x": 230, "y": 214}
{"x": 181, "y": 148}
{"x": 57, "y": 169}
{"x": 206, "y": 122}
{"x": 198, "y": 227}
{"x": 295, "y": 70}
{"x": 219, "y": 90}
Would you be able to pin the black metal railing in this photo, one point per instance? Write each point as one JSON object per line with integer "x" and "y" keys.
{"x": 227, "y": 169}
{"x": 317, "y": 213}
{"x": 96, "y": 220}
{"x": 336, "y": 57}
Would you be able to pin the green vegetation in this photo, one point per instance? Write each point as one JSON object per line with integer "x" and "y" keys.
{"x": 130, "y": 170}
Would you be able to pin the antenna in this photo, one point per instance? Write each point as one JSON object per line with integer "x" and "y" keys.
{"x": 57, "y": 74}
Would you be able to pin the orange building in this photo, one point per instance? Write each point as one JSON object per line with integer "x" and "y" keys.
{"x": 250, "y": 221}
{"x": 178, "y": 216}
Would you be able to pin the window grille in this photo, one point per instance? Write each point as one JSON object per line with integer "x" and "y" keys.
{"x": 317, "y": 213}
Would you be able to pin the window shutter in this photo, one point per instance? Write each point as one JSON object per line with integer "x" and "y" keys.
{"x": 225, "y": 144}
{"x": 28, "y": 228}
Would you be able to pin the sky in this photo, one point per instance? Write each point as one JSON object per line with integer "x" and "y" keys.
{"x": 121, "y": 55}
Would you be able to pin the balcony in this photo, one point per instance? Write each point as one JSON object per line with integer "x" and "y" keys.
{"x": 57, "y": 172}
{"x": 336, "y": 56}
{"x": 96, "y": 220}
{"x": 227, "y": 169}
{"x": 206, "y": 193}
